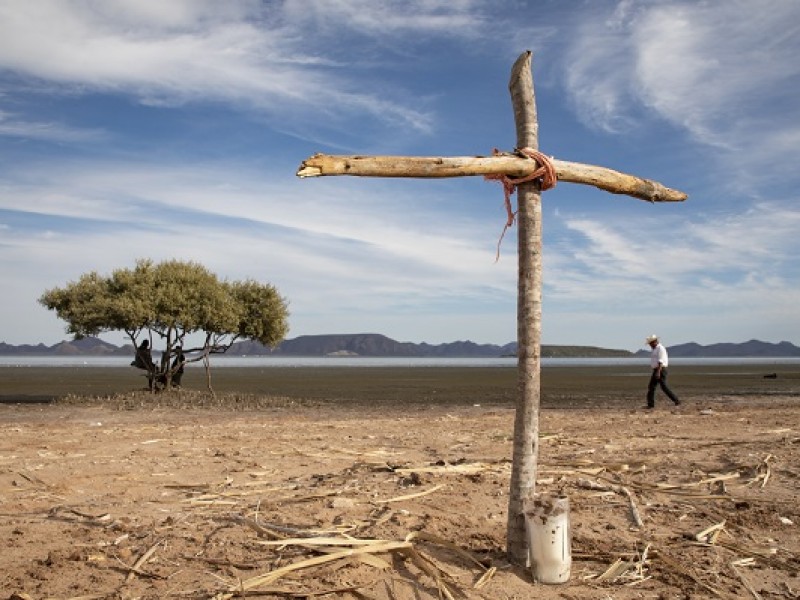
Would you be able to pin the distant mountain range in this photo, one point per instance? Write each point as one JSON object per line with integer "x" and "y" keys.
{"x": 373, "y": 344}
{"x": 753, "y": 348}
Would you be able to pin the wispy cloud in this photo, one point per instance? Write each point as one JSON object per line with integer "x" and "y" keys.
{"x": 12, "y": 126}
{"x": 719, "y": 71}
{"x": 448, "y": 18}
{"x": 371, "y": 253}
{"x": 246, "y": 53}
{"x": 738, "y": 253}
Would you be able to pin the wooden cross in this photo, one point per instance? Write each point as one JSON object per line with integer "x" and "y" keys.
{"x": 529, "y": 218}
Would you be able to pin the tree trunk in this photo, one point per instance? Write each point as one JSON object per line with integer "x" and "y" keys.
{"x": 529, "y": 317}
{"x": 207, "y": 365}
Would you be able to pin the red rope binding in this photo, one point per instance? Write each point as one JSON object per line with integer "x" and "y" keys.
{"x": 546, "y": 173}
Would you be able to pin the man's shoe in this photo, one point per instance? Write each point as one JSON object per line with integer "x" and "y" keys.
{"x": 648, "y": 407}
{"x": 677, "y": 402}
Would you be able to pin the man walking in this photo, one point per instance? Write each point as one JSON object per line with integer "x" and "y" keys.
{"x": 659, "y": 361}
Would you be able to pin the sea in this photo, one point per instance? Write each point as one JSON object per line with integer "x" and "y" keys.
{"x": 365, "y": 361}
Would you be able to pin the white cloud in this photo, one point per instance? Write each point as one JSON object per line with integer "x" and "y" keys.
{"x": 730, "y": 277}
{"x": 340, "y": 251}
{"x": 238, "y": 52}
{"x": 722, "y": 72}
{"x": 449, "y": 18}
{"x": 705, "y": 66}
{"x": 716, "y": 260}
{"x": 12, "y": 126}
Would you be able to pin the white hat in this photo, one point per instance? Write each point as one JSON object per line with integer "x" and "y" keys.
{"x": 651, "y": 338}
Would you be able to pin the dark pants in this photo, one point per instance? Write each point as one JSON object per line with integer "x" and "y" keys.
{"x": 654, "y": 382}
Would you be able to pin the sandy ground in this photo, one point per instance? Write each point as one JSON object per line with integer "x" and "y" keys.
{"x": 104, "y": 503}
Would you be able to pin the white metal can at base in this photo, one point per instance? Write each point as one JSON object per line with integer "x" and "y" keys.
{"x": 549, "y": 538}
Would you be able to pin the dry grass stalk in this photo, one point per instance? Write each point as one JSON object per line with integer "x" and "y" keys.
{"x": 434, "y": 539}
{"x": 374, "y": 561}
{"x": 709, "y": 535}
{"x": 766, "y": 556}
{"x": 572, "y": 472}
{"x": 335, "y": 592}
{"x": 618, "y": 568}
{"x": 485, "y": 578}
{"x": 763, "y": 472}
{"x": 221, "y": 562}
{"x": 411, "y": 496}
{"x": 104, "y": 518}
{"x": 321, "y": 541}
{"x": 671, "y": 489}
{"x": 136, "y": 568}
{"x": 463, "y": 469}
{"x": 429, "y": 569}
{"x": 681, "y": 570}
{"x": 24, "y": 596}
{"x": 281, "y": 531}
{"x": 716, "y": 478}
{"x": 31, "y": 478}
{"x": 748, "y": 586}
{"x": 637, "y": 519}
{"x": 257, "y": 527}
{"x": 627, "y": 569}
{"x": 693, "y": 484}
{"x": 640, "y": 564}
{"x": 272, "y": 576}
{"x": 619, "y": 489}
{"x": 363, "y": 550}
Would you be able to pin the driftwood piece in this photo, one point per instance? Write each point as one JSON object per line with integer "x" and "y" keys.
{"x": 512, "y": 165}
{"x": 619, "y": 489}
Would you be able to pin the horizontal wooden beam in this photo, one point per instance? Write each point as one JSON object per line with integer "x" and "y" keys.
{"x": 512, "y": 165}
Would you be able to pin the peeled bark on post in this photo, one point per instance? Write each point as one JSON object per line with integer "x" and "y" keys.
{"x": 529, "y": 317}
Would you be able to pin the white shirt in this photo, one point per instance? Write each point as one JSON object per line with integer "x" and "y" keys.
{"x": 659, "y": 356}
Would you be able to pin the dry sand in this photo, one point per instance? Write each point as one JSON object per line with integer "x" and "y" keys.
{"x": 99, "y": 502}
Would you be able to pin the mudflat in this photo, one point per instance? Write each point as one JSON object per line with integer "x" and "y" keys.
{"x": 617, "y": 386}
{"x": 393, "y": 483}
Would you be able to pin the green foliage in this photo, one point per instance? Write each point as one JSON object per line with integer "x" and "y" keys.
{"x": 171, "y": 300}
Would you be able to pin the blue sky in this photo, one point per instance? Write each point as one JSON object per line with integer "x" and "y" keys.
{"x": 150, "y": 129}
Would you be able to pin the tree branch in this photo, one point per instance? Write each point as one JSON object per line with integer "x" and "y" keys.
{"x": 513, "y": 165}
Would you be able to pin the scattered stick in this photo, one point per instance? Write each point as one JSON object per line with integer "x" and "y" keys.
{"x": 640, "y": 564}
{"x": 748, "y": 586}
{"x": 411, "y": 496}
{"x": 615, "y": 570}
{"x": 322, "y": 541}
{"x": 434, "y": 539}
{"x": 463, "y": 468}
{"x": 619, "y": 489}
{"x": 272, "y": 576}
{"x": 763, "y": 472}
{"x": 363, "y": 550}
{"x": 34, "y": 480}
{"x": 135, "y": 569}
{"x": 678, "y": 568}
{"x": 485, "y": 578}
{"x": 709, "y": 535}
{"x": 637, "y": 519}
{"x": 219, "y": 562}
{"x": 104, "y": 518}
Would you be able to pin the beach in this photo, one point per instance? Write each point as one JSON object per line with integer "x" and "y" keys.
{"x": 336, "y": 481}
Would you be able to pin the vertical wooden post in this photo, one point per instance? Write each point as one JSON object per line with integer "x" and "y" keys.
{"x": 529, "y": 316}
